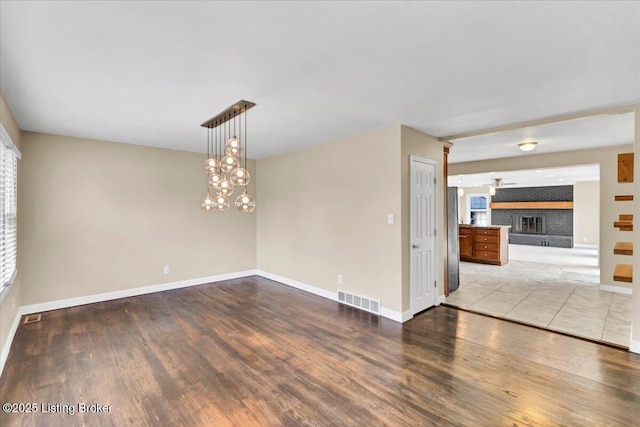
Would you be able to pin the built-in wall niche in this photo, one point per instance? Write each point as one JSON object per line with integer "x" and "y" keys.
{"x": 538, "y": 216}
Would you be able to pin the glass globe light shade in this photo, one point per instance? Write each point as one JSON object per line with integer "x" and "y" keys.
{"x": 240, "y": 176}
{"x": 214, "y": 179}
{"x": 245, "y": 203}
{"x": 225, "y": 187}
{"x": 233, "y": 147}
{"x": 211, "y": 165}
{"x": 220, "y": 203}
{"x": 228, "y": 163}
{"x": 207, "y": 202}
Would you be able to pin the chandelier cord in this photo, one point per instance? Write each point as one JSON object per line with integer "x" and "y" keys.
{"x": 245, "y": 144}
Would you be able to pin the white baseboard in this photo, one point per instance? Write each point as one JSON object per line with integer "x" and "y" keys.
{"x": 89, "y": 299}
{"x": 298, "y": 285}
{"x": 7, "y": 345}
{"x": 617, "y": 289}
{"x": 634, "y": 346}
{"x": 440, "y": 299}
{"x": 333, "y": 296}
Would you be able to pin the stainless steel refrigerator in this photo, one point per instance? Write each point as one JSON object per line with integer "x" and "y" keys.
{"x": 453, "y": 258}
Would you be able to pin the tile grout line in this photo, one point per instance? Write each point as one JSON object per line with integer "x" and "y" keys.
{"x": 563, "y": 304}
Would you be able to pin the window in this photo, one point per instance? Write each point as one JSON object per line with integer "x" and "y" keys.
{"x": 9, "y": 155}
{"x": 478, "y": 210}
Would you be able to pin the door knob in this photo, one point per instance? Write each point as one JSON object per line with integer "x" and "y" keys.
{"x": 415, "y": 246}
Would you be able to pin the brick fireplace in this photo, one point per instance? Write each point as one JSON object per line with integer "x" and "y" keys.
{"x": 538, "y": 227}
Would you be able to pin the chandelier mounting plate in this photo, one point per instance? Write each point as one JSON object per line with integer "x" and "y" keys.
{"x": 228, "y": 114}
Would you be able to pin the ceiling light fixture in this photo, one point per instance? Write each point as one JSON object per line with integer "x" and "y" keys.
{"x": 224, "y": 167}
{"x": 527, "y": 146}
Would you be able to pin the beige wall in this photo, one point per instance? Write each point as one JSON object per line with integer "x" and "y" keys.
{"x": 416, "y": 143}
{"x": 324, "y": 213}
{"x": 607, "y": 158}
{"x": 100, "y": 216}
{"x": 12, "y": 299}
{"x": 586, "y": 213}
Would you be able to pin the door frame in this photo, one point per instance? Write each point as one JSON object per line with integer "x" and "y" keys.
{"x": 434, "y": 209}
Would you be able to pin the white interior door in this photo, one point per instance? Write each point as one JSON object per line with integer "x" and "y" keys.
{"x": 423, "y": 231}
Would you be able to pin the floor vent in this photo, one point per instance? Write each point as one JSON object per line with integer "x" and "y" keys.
{"x": 32, "y": 318}
{"x": 367, "y": 304}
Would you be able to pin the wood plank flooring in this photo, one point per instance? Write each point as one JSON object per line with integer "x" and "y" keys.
{"x": 252, "y": 352}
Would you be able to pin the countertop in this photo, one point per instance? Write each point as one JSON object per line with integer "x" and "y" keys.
{"x": 497, "y": 227}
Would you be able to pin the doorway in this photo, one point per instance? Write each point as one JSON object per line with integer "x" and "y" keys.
{"x": 422, "y": 232}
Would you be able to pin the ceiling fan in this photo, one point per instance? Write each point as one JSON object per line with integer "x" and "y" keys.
{"x": 497, "y": 183}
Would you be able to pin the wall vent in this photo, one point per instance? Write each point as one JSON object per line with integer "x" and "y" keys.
{"x": 366, "y": 304}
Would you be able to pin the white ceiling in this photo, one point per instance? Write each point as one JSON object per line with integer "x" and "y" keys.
{"x": 529, "y": 178}
{"x": 150, "y": 72}
{"x": 591, "y": 132}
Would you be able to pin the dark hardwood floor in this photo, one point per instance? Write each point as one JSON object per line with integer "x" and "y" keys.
{"x": 252, "y": 352}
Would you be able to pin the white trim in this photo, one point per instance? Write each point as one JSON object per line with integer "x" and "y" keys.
{"x": 333, "y": 296}
{"x": 5, "y": 289}
{"x": 299, "y": 285}
{"x": 616, "y": 289}
{"x": 7, "y": 345}
{"x": 634, "y": 346}
{"x": 5, "y": 138}
{"x": 396, "y": 315}
{"x": 440, "y": 299}
{"x": 90, "y": 299}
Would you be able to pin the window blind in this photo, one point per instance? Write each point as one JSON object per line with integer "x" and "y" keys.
{"x": 8, "y": 211}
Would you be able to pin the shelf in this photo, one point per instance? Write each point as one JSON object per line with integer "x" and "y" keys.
{"x": 623, "y": 273}
{"x": 623, "y": 248}
{"x": 625, "y": 167}
{"x": 625, "y": 222}
{"x": 624, "y": 198}
{"x": 623, "y": 225}
{"x": 531, "y": 205}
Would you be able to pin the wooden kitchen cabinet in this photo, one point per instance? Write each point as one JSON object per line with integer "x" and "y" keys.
{"x": 466, "y": 241}
{"x": 487, "y": 245}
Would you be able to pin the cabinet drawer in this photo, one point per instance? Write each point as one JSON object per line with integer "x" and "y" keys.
{"x": 493, "y": 256}
{"x": 486, "y": 239}
{"x": 487, "y": 232}
{"x": 464, "y": 231}
{"x": 488, "y": 247}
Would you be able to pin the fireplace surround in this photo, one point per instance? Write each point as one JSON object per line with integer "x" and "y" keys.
{"x": 537, "y": 227}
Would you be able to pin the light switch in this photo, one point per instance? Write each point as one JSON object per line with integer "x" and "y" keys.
{"x": 390, "y": 218}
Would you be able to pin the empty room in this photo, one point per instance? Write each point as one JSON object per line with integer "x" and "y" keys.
{"x": 275, "y": 213}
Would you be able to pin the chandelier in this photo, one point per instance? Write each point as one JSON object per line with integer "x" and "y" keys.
{"x": 224, "y": 167}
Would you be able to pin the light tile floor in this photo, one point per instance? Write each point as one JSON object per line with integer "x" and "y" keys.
{"x": 556, "y": 297}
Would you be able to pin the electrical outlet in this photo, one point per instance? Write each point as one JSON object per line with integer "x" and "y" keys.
{"x": 339, "y": 279}
{"x": 165, "y": 269}
{"x": 390, "y": 218}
